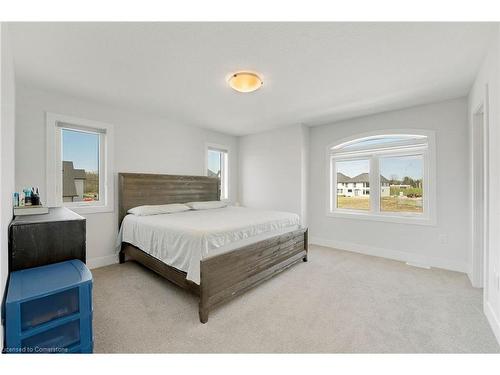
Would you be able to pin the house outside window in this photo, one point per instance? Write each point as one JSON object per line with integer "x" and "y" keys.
{"x": 387, "y": 176}
{"x": 74, "y": 181}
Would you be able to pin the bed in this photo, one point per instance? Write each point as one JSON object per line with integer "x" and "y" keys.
{"x": 216, "y": 254}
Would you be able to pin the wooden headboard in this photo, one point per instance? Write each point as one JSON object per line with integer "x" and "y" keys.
{"x": 137, "y": 189}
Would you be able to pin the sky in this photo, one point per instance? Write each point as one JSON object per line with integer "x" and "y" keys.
{"x": 404, "y": 166}
{"x": 81, "y": 148}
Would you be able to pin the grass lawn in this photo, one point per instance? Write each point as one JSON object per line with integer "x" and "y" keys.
{"x": 353, "y": 203}
{"x": 396, "y": 204}
{"x": 391, "y": 204}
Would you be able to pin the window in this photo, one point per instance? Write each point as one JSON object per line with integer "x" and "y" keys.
{"x": 384, "y": 177}
{"x": 353, "y": 184}
{"x": 80, "y": 169}
{"x": 217, "y": 166}
{"x": 402, "y": 189}
{"x": 79, "y": 164}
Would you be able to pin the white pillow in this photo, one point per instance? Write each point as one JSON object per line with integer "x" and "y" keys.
{"x": 206, "y": 205}
{"x": 158, "y": 209}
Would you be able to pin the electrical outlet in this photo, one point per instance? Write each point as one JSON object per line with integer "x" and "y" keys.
{"x": 443, "y": 239}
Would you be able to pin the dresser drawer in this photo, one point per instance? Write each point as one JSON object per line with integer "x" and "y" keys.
{"x": 54, "y": 340}
{"x": 38, "y": 240}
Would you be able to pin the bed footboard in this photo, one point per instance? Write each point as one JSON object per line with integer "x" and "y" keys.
{"x": 228, "y": 275}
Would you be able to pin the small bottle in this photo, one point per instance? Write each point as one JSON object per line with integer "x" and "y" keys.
{"x": 27, "y": 197}
{"x": 21, "y": 199}
{"x": 16, "y": 199}
{"x": 38, "y": 196}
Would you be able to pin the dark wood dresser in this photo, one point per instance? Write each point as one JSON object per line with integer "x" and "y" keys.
{"x": 37, "y": 240}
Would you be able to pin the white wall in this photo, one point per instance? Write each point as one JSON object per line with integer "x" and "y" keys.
{"x": 486, "y": 89}
{"x": 273, "y": 170}
{"x": 143, "y": 143}
{"x": 7, "y": 99}
{"x": 407, "y": 242}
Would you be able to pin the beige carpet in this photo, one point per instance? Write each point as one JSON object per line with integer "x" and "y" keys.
{"x": 337, "y": 302}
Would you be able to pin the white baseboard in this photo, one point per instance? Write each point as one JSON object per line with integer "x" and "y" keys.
{"x": 102, "y": 261}
{"x": 402, "y": 256}
{"x": 492, "y": 319}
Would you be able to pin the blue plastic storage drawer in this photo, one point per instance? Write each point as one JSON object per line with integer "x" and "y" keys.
{"x": 46, "y": 309}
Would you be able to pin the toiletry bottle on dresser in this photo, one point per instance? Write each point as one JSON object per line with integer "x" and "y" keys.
{"x": 21, "y": 199}
{"x": 35, "y": 197}
{"x": 27, "y": 197}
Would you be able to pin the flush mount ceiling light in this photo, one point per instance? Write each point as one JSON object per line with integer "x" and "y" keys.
{"x": 245, "y": 81}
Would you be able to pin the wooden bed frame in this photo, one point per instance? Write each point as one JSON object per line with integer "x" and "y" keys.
{"x": 224, "y": 276}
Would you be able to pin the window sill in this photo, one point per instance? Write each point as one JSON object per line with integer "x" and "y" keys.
{"x": 89, "y": 209}
{"x": 399, "y": 219}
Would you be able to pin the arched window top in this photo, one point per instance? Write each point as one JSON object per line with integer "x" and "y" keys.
{"x": 380, "y": 143}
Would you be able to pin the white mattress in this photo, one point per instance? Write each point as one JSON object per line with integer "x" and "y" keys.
{"x": 182, "y": 239}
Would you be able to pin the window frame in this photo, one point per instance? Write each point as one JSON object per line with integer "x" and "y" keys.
{"x": 373, "y": 154}
{"x": 54, "y": 162}
{"x": 224, "y": 188}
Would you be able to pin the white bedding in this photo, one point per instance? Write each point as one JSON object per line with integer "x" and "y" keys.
{"x": 182, "y": 239}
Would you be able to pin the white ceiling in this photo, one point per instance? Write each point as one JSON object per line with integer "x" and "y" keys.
{"x": 313, "y": 73}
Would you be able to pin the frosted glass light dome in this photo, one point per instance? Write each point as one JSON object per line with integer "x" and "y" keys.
{"x": 245, "y": 81}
